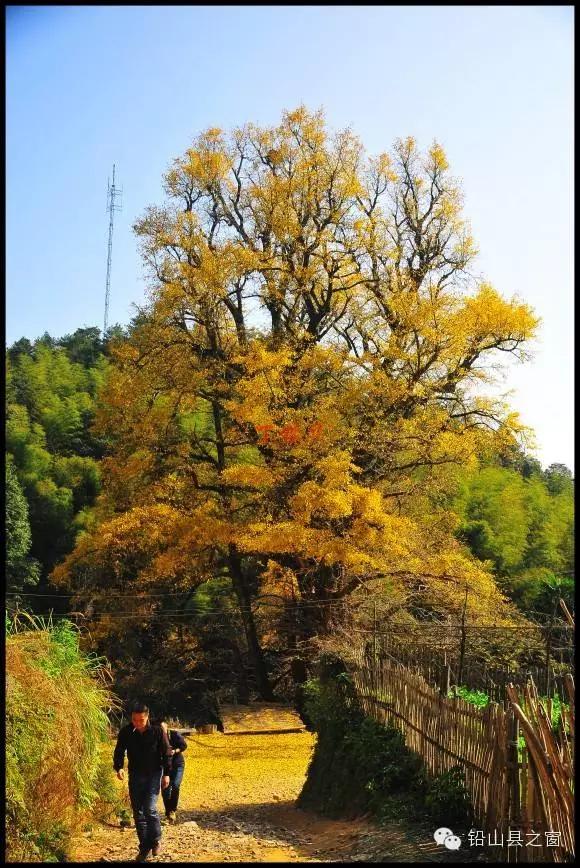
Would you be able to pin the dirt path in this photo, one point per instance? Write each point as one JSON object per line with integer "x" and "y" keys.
{"x": 237, "y": 805}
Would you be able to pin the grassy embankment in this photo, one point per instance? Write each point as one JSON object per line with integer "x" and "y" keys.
{"x": 58, "y": 765}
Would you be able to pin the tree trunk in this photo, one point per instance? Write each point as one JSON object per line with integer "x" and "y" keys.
{"x": 256, "y": 656}
{"x": 238, "y": 579}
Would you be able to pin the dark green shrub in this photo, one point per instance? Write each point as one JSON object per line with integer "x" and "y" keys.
{"x": 360, "y": 765}
{"x": 447, "y": 799}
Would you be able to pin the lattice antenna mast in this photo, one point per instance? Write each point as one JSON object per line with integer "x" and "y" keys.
{"x": 113, "y": 204}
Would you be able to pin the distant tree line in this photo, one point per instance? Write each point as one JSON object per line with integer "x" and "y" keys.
{"x": 520, "y": 518}
{"x": 52, "y": 468}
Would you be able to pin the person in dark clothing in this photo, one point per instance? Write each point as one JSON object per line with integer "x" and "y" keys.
{"x": 171, "y": 793}
{"x": 149, "y": 755}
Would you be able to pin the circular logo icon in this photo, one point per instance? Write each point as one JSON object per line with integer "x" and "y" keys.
{"x": 452, "y": 842}
{"x": 441, "y": 834}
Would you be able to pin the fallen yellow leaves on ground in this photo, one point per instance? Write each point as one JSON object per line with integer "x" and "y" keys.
{"x": 225, "y": 769}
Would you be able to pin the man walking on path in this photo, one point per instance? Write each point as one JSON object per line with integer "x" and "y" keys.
{"x": 149, "y": 755}
{"x": 171, "y": 793}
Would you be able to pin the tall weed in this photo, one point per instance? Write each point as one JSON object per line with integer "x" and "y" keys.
{"x": 57, "y": 699}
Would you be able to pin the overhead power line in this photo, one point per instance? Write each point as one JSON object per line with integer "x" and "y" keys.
{"x": 283, "y": 605}
{"x": 195, "y": 607}
{"x": 396, "y": 629}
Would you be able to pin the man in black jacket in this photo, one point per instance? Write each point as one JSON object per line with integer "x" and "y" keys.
{"x": 149, "y": 755}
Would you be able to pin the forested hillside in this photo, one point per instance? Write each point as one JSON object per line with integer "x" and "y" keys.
{"x": 53, "y": 456}
{"x": 521, "y": 519}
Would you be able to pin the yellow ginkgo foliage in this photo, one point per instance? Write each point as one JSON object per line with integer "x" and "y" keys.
{"x": 310, "y": 369}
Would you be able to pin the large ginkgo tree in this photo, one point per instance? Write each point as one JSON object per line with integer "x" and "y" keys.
{"x": 310, "y": 368}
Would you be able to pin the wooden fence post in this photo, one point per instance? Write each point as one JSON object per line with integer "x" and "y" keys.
{"x": 445, "y": 680}
{"x": 549, "y": 647}
{"x": 375, "y": 662}
{"x": 513, "y": 772}
{"x": 566, "y": 612}
{"x": 462, "y": 645}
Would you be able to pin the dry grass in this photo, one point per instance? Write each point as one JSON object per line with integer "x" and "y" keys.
{"x": 56, "y": 723}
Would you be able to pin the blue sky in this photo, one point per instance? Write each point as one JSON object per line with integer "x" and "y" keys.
{"x": 89, "y": 86}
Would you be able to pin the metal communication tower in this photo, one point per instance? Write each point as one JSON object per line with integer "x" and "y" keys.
{"x": 113, "y": 204}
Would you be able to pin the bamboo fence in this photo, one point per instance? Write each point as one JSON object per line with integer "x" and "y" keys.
{"x": 516, "y": 790}
{"x": 435, "y": 655}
